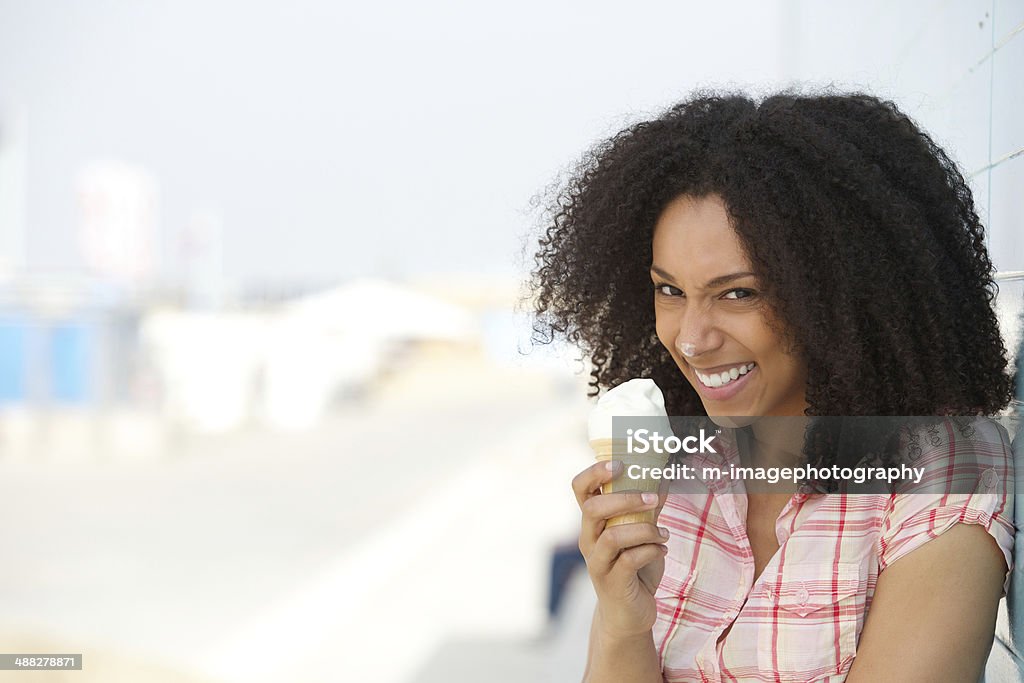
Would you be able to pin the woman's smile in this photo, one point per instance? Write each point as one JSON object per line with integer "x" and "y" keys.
{"x": 723, "y": 375}
{"x": 722, "y": 385}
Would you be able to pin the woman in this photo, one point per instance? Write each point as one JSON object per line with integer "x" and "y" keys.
{"x": 798, "y": 256}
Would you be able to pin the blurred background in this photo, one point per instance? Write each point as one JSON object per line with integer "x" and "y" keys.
{"x": 268, "y": 406}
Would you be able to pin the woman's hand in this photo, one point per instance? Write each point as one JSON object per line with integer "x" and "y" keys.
{"x": 625, "y": 562}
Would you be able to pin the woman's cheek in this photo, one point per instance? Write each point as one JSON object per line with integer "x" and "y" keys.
{"x": 663, "y": 338}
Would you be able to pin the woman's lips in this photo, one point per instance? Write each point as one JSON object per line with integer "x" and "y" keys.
{"x": 726, "y": 392}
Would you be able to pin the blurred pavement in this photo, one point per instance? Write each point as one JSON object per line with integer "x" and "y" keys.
{"x": 406, "y": 531}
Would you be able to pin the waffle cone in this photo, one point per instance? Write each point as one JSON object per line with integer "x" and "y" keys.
{"x": 615, "y": 449}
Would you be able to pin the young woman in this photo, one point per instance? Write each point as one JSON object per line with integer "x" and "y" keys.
{"x": 798, "y": 256}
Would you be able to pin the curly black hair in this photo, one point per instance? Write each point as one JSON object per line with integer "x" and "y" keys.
{"x": 863, "y": 229}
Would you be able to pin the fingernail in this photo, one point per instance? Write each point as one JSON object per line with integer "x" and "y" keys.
{"x": 650, "y": 498}
{"x": 663, "y": 531}
{"x": 610, "y": 465}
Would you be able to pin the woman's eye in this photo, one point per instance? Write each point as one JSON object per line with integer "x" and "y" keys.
{"x": 738, "y": 294}
{"x": 667, "y": 290}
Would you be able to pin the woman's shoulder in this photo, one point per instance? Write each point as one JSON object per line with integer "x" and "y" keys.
{"x": 967, "y": 478}
{"x": 957, "y": 451}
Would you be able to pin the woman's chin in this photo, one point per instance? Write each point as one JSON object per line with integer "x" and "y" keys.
{"x": 733, "y": 421}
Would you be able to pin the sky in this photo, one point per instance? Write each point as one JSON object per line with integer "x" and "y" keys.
{"x": 332, "y": 140}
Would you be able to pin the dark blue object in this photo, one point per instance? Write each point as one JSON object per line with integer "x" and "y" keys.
{"x": 564, "y": 559}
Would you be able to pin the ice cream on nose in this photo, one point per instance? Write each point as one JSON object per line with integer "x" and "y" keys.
{"x": 635, "y": 398}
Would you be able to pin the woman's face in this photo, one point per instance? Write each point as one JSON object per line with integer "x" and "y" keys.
{"x": 708, "y": 302}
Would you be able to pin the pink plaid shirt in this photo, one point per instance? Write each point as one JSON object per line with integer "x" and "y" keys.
{"x": 802, "y": 618}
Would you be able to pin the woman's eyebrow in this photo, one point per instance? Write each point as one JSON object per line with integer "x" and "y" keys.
{"x": 710, "y": 284}
{"x": 725, "y": 279}
{"x": 659, "y": 271}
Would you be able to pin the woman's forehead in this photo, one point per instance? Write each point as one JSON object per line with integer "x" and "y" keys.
{"x": 693, "y": 239}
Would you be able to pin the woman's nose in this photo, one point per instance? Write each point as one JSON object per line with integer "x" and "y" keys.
{"x": 697, "y": 335}
{"x": 688, "y": 349}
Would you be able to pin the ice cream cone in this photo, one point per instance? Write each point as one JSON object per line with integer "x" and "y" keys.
{"x": 615, "y": 449}
{"x": 640, "y": 399}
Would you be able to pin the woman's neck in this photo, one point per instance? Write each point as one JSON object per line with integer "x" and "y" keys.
{"x": 778, "y": 441}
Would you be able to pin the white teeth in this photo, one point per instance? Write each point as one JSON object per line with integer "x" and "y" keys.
{"x": 721, "y": 379}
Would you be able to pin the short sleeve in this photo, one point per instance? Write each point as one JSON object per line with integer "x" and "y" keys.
{"x": 969, "y": 479}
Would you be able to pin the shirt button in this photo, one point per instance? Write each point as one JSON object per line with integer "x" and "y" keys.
{"x": 990, "y": 478}
{"x": 803, "y": 596}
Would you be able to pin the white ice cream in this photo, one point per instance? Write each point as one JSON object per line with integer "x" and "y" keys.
{"x": 637, "y": 397}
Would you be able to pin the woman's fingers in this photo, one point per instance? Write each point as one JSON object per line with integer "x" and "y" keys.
{"x": 588, "y": 482}
{"x": 630, "y": 546}
{"x": 632, "y": 560}
{"x": 598, "y": 509}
